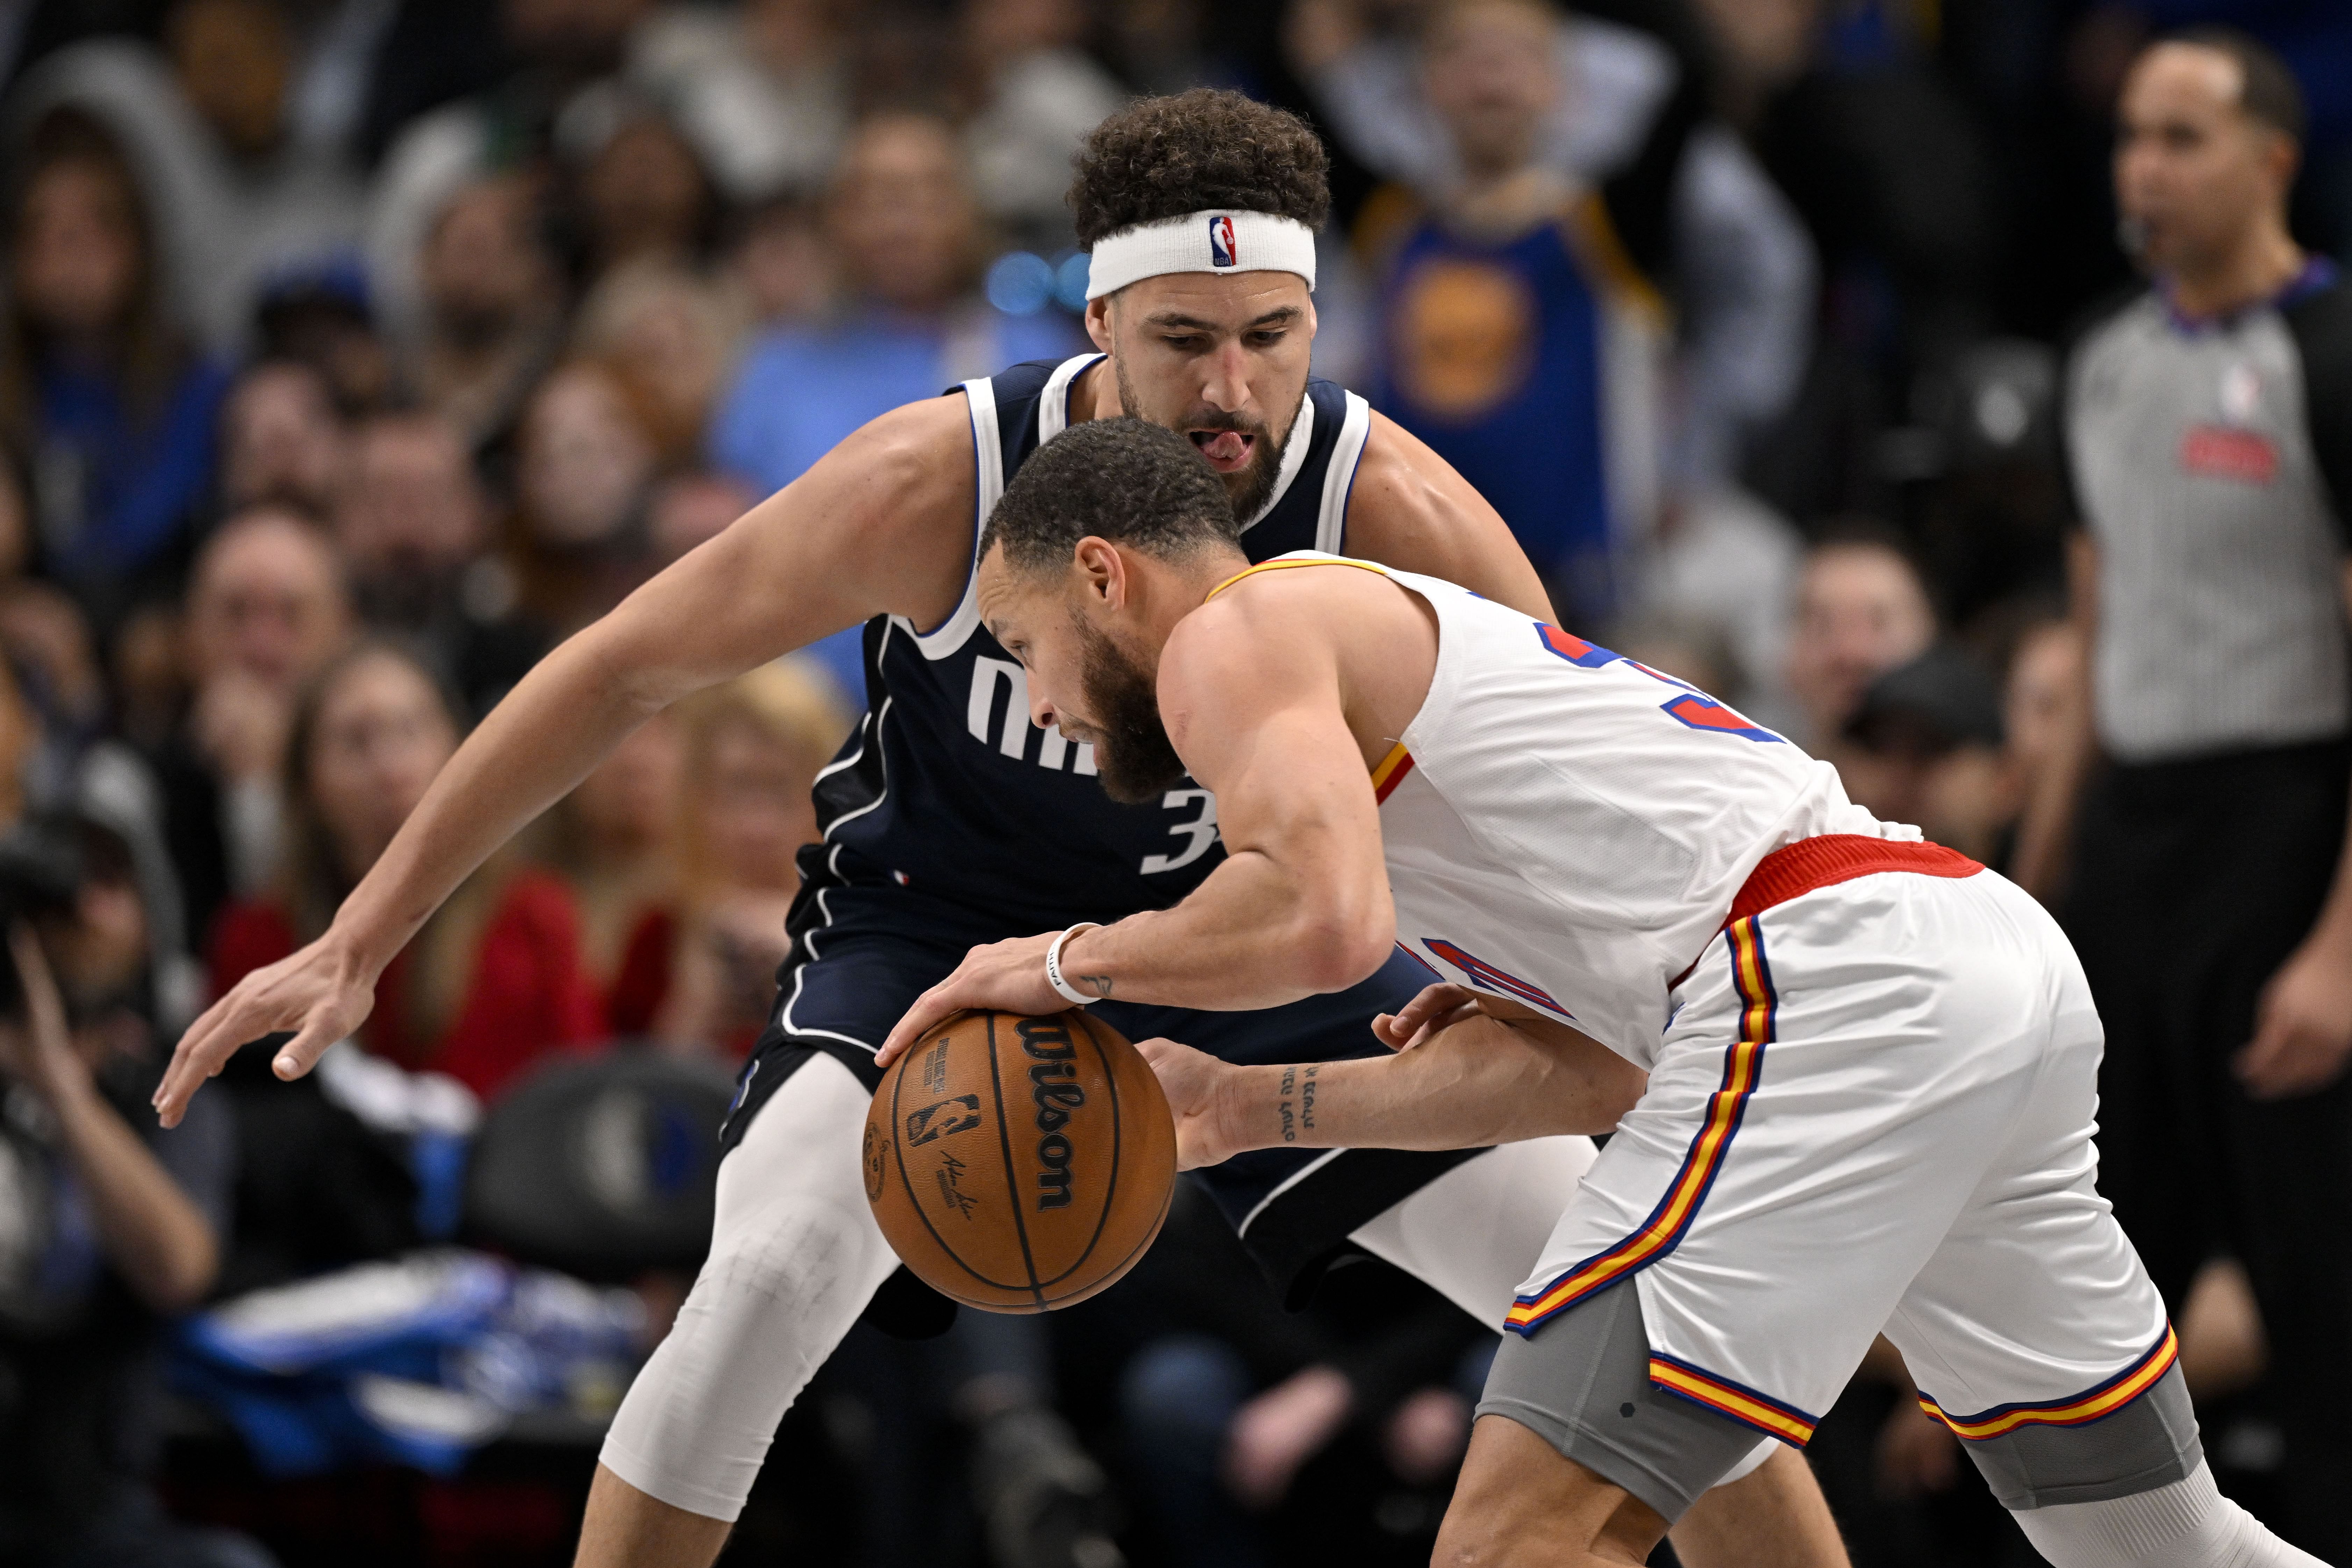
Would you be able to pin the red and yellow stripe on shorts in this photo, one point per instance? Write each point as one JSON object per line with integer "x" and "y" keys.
{"x": 2075, "y": 1410}
{"x": 1663, "y": 1231}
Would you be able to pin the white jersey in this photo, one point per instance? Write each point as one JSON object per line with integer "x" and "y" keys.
{"x": 1567, "y": 827}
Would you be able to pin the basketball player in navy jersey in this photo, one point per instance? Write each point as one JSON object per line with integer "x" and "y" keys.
{"x": 951, "y": 820}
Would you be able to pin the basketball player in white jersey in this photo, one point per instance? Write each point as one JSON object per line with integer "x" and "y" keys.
{"x": 1851, "y": 1075}
{"x": 1205, "y": 320}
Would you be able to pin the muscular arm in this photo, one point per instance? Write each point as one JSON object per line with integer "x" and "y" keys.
{"x": 1300, "y": 904}
{"x": 881, "y": 524}
{"x": 1487, "y": 1078}
{"x": 1411, "y": 510}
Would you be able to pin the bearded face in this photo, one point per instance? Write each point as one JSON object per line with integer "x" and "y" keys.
{"x": 1224, "y": 439}
{"x": 1132, "y": 753}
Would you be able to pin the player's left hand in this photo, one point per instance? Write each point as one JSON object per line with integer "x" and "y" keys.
{"x": 2302, "y": 1026}
{"x": 1439, "y": 1006}
{"x": 1006, "y": 974}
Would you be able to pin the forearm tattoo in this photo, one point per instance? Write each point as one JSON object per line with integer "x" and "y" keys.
{"x": 1295, "y": 1103}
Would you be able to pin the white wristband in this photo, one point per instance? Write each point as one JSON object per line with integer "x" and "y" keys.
{"x": 1053, "y": 965}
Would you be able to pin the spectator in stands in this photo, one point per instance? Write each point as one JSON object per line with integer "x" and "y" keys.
{"x": 2210, "y": 425}
{"x": 1228, "y": 1399}
{"x": 122, "y": 1225}
{"x": 586, "y": 463}
{"x": 492, "y": 308}
{"x": 98, "y": 390}
{"x": 282, "y": 440}
{"x": 2040, "y": 696}
{"x": 639, "y": 191}
{"x": 762, "y": 88}
{"x": 902, "y": 221}
{"x": 1861, "y": 611}
{"x": 1040, "y": 94}
{"x": 1925, "y": 747}
{"x": 321, "y": 317}
{"x": 616, "y": 843}
{"x": 753, "y": 747}
{"x": 673, "y": 336}
{"x": 492, "y": 982}
{"x": 1630, "y": 116}
{"x": 781, "y": 266}
{"x": 204, "y": 120}
{"x": 266, "y": 609}
{"x": 1513, "y": 338}
{"x": 411, "y": 524}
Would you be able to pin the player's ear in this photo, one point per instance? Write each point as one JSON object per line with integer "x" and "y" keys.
{"x": 1098, "y": 321}
{"x": 1104, "y": 571}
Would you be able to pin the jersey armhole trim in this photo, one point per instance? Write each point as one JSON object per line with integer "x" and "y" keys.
{"x": 1339, "y": 476}
{"x": 988, "y": 477}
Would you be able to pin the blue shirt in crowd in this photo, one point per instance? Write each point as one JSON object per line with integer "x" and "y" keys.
{"x": 140, "y": 483}
{"x": 801, "y": 390}
{"x": 1492, "y": 352}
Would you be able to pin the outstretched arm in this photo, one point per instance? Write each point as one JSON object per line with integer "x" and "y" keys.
{"x": 882, "y": 524}
{"x": 1469, "y": 1071}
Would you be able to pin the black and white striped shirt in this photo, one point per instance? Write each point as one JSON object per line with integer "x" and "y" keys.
{"x": 2212, "y": 462}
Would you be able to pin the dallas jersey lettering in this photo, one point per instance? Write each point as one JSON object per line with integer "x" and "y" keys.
{"x": 1567, "y": 827}
{"x": 949, "y": 791}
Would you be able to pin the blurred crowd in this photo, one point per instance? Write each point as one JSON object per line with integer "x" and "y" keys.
{"x": 354, "y": 351}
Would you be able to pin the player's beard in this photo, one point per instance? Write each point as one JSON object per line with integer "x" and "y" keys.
{"x": 1249, "y": 489}
{"x": 1137, "y": 762}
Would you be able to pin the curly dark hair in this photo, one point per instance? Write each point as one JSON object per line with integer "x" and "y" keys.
{"x": 1165, "y": 157}
{"x": 1126, "y": 480}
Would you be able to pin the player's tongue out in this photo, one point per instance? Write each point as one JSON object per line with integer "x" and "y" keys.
{"x": 1225, "y": 449}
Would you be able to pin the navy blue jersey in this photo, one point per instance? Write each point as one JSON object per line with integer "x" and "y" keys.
{"x": 949, "y": 792}
{"x": 950, "y": 820}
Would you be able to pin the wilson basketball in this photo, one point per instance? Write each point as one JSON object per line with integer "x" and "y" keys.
{"x": 1020, "y": 1164}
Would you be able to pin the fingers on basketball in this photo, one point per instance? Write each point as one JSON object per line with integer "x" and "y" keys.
{"x": 1017, "y": 1164}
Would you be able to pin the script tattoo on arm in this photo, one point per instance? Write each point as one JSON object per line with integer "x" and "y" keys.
{"x": 1295, "y": 1102}
{"x": 1101, "y": 982}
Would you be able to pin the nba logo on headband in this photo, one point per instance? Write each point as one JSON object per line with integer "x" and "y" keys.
{"x": 1173, "y": 245}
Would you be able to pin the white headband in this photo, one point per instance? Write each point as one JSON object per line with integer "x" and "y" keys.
{"x": 1203, "y": 242}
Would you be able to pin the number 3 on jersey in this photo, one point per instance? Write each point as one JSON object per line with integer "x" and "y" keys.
{"x": 1200, "y": 831}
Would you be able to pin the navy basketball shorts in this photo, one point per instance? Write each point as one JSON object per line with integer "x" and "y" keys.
{"x": 851, "y": 978}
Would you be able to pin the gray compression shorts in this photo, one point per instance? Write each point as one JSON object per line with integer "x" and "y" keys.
{"x": 1581, "y": 1382}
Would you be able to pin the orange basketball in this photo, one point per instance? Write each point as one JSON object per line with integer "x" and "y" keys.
{"x": 1020, "y": 1164}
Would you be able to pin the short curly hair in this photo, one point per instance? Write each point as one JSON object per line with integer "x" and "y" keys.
{"x": 1126, "y": 480}
{"x": 1167, "y": 157}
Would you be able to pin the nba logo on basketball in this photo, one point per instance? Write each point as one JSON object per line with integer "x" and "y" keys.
{"x": 1221, "y": 241}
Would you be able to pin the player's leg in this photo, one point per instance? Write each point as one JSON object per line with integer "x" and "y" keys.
{"x": 795, "y": 1256}
{"x": 1807, "y": 1134}
{"x": 1474, "y": 1235}
{"x": 2037, "y": 1336}
{"x": 1472, "y": 1229}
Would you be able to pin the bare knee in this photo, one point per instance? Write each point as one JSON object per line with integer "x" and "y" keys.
{"x": 1521, "y": 1503}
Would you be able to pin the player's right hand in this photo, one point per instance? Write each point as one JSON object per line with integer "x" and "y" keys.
{"x": 320, "y": 995}
{"x": 1193, "y": 1082}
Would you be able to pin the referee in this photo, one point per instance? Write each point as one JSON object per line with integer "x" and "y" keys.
{"x": 2210, "y": 429}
